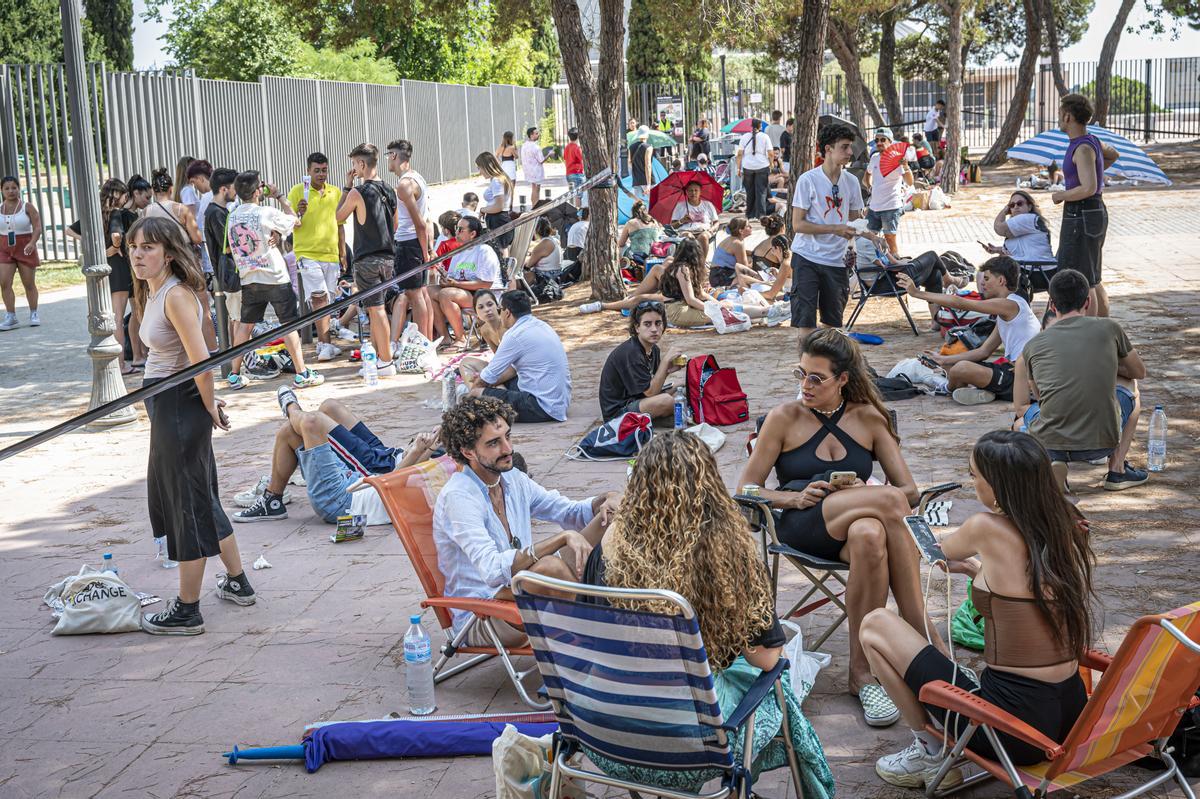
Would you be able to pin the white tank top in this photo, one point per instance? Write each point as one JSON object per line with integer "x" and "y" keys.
{"x": 18, "y": 222}
{"x": 1017, "y": 332}
{"x": 553, "y": 261}
{"x": 406, "y": 226}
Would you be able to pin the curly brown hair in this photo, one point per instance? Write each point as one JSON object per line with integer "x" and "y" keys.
{"x": 678, "y": 529}
{"x": 462, "y": 424}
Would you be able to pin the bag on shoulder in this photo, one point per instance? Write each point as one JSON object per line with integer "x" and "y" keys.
{"x": 714, "y": 394}
{"x": 615, "y": 440}
{"x": 94, "y": 602}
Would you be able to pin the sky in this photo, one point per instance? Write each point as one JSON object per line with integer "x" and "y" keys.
{"x": 147, "y": 51}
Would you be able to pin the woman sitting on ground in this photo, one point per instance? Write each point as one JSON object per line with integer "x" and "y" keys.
{"x": 682, "y": 283}
{"x": 730, "y": 261}
{"x": 1032, "y": 583}
{"x": 972, "y": 379}
{"x": 649, "y": 289}
{"x": 638, "y": 234}
{"x": 489, "y": 328}
{"x": 765, "y": 257}
{"x": 678, "y": 529}
{"x": 545, "y": 256}
{"x": 840, "y": 424}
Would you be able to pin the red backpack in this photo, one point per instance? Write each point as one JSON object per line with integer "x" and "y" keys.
{"x": 715, "y": 395}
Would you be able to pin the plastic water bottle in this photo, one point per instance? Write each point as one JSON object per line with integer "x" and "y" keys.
{"x": 160, "y": 549}
{"x": 370, "y": 366}
{"x": 109, "y": 565}
{"x": 680, "y": 408}
{"x": 1157, "y": 460}
{"x": 418, "y": 668}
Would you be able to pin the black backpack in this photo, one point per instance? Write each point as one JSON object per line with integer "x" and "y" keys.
{"x": 894, "y": 388}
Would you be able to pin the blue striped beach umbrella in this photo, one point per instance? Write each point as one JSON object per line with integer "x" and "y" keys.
{"x": 1133, "y": 163}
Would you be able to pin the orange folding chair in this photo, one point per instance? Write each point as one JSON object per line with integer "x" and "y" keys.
{"x": 1145, "y": 689}
{"x": 409, "y": 495}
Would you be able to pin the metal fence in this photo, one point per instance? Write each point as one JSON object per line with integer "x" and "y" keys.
{"x": 143, "y": 120}
{"x": 1152, "y": 99}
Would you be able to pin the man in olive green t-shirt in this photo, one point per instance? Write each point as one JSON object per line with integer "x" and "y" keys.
{"x": 1082, "y": 373}
{"x": 320, "y": 244}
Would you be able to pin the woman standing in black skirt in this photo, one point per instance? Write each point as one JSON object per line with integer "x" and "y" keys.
{"x": 182, "y": 477}
{"x": 497, "y": 198}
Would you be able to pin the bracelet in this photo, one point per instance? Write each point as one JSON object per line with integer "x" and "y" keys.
{"x": 529, "y": 551}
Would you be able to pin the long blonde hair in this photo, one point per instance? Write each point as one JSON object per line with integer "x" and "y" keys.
{"x": 490, "y": 167}
{"x": 678, "y": 529}
{"x": 181, "y": 168}
{"x": 180, "y": 252}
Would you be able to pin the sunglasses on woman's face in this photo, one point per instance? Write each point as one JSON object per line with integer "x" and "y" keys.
{"x": 811, "y": 379}
{"x": 1017, "y": 204}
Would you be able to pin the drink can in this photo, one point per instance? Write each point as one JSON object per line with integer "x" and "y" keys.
{"x": 681, "y": 360}
{"x": 752, "y": 490}
{"x": 449, "y": 395}
{"x": 307, "y": 186}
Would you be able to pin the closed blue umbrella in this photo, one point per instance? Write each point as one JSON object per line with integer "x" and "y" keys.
{"x": 1051, "y": 147}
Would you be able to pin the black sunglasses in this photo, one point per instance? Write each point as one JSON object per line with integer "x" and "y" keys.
{"x": 652, "y": 305}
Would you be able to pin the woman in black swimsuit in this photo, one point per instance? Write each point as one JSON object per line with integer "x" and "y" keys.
{"x": 840, "y": 424}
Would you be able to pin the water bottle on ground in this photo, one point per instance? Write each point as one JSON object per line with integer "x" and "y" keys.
{"x": 160, "y": 553}
{"x": 418, "y": 668}
{"x": 1157, "y": 459}
{"x": 370, "y": 365}
{"x": 109, "y": 565}
{"x": 680, "y": 408}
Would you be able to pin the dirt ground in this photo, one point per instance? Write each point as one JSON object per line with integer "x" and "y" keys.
{"x": 137, "y": 716}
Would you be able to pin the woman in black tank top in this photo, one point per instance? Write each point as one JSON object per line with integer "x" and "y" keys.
{"x": 840, "y": 424}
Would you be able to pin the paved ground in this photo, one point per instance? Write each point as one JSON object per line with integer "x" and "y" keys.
{"x": 131, "y": 715}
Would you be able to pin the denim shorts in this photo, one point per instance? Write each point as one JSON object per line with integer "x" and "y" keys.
{"x": 1125, "y": 400}
{"x": 884, "y": 221}
{"x": 328, "y": 478}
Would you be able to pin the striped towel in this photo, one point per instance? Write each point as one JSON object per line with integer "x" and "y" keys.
{"x": 938, "y": 513}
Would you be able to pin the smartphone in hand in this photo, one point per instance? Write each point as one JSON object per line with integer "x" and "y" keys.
{"x": 926, "y": 542}
{"x": 842, "y": 479}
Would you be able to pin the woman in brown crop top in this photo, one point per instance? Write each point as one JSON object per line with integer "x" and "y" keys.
{"x": 1033, "y": 585}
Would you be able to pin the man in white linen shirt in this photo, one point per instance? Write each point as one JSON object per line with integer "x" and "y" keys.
{"x": 529, "y": 370}
{"x": 481, "y": 522}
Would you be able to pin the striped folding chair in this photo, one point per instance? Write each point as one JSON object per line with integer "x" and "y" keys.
{"x": 633, "y": 688}
{"x": 1144, "y": 690}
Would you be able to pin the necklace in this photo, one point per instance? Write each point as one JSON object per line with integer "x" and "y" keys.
{"x": 490, "y": 486}
{"x": 834, "y": 411}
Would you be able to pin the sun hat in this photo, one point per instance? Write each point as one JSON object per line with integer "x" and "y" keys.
{"x": 885, "y": 132}
{"x": 643, "y": 132}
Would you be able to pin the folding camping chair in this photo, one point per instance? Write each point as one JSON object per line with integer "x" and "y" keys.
{"x": 876, "y": 281}
{"x": 515, "y": 263}
{"x": 1144, "y": 690}
{"x": 635, "y": 687}
{"x": 408, "y": 495}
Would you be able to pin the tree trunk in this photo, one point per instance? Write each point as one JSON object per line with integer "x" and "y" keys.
{"x": 841, "y": 41}
{"x": 1026, "y": 72}
{"x": 873, "y": 108}
{"x": 887, "y": 71}
{"x": 1104, "y": 69}
{"x": 806, "y": 108}
{"x": 954, "y": 91}
{"x": 597, "y": 110}
{"x": 1045, "y": 8}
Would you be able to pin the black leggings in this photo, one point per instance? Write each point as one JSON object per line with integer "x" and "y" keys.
{"x": 928, "y": 270}
{"x": 755, "y": 182}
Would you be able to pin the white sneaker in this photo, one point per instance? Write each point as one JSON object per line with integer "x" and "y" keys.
{"x": 34, "y": 319}
{"x": 778, "y": 313}
{"x": 10, "y": 322}
{"x": 387, "y": 370}
{"x": 251, "y": 495}
{"x": 591, "y": 307}
{"x": 878, "y": 708}
{"x": 973, "y": 396}
{"x": 324, "y": 352}
{"x": 915, "y": 768}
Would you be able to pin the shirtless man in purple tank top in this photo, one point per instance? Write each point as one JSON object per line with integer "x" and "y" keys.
{"x": 1085, "y": 219}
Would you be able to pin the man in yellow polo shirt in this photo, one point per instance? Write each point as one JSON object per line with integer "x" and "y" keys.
{"x": 320, "y": 244}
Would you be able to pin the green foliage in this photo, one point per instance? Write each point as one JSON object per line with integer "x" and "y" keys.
{"x": 112, "y": 22}
{"x": 920, "y": 58}
{"x": 31, "y": 33}
{"x": 230, "y": 39}
{"x": 357, "y": 63}
{"x": 1128, "y": 96}
{"x": 1002, "y": 27}
{"x": 659, "y": 52}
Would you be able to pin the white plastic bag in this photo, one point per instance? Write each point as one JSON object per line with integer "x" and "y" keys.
{"x": 710, "y": 435}
{"x": 416, "y": 353}
{"x": 804, "y": 666}
{"x": 921, "y": 375}
{"x": 937, "y": 199}
{"x": 726, "y": 319}
{"x": 94, "y": 602}
{"x": 522, "y": 767}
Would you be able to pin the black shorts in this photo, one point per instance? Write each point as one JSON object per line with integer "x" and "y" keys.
{"x": 1001, "y": 383}
{"x": 256, "y": 297}
{"x": 1050, "y": 708}
{"x": 409, "y": 257}
{"x": 525, "y": 404}
{"x": 1081, "y": 238}
{"x": 369, "y": 272}
{"x": 816, "y": 287}
{"x": 721, "y": 276}
{"x": 804, "y": 530}
{"x": 120, "y": 276}
{"x": 496, "y": 220}
{"x": 933, "y": 136}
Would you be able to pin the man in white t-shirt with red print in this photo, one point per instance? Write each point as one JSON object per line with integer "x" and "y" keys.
{"x": 826, "y": 200}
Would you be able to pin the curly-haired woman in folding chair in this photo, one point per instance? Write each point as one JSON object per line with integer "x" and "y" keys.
{"x": 1032, "y": 585}
{"x": 678, "y": 529}
{"x": 840, "y": 424}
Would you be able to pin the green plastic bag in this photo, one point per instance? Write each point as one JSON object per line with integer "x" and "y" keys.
{"x": 966, "y": 627}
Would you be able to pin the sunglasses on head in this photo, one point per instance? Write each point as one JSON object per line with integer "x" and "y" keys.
{"x": 649, "y": 305}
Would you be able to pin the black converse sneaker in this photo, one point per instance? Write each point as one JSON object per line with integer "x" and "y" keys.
{"x": 266, "y": 508}
{"x": 235, "y": 589}
{"x": 179, "y": 618}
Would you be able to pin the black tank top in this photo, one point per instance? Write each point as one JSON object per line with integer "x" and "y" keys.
{"x": 637, "y": 164}
{"x": 374, "y": 237}
{"x": 803, "y": 464}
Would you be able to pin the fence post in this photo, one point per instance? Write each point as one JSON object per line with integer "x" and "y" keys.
{"x": 741, "y": 101}
{"x": 8, "y": 111}
{"x": 724, "y": 94}
{"x": 1041, "y": 96}
{"x": 1147, "y": 103}
{"x": 201, "y": 141}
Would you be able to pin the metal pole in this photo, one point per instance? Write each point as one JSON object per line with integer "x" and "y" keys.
{"x": 106, "y": 376}
{"x": 741, "y": 101}
{"x": 724, "y": 95}
{"x": 1147, "y": 103}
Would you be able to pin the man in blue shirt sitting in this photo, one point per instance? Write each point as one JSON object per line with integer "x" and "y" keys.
{"x": 482, "y": 519}
{"x": 529, "y": 370}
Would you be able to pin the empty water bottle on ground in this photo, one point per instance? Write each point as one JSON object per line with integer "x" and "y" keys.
{"x": 680, "y": 408}
{"x": 370, "y": 366}
{"x": 1157, "y": 460}
{"x": 160, "y": 553}
{"x": 109, "y": 565}
{"x": 418, "y": 668}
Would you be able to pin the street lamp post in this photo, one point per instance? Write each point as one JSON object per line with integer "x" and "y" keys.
{"x": 104, "y": 349}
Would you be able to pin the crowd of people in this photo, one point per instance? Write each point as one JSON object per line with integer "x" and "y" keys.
{"x": 1071, "y": 378}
